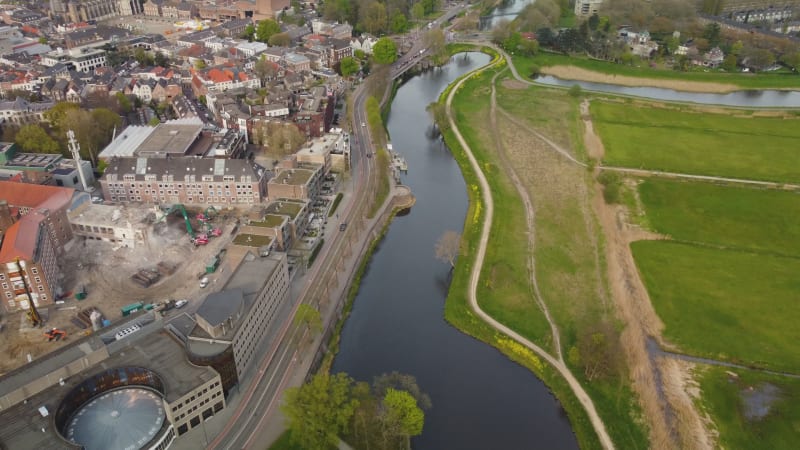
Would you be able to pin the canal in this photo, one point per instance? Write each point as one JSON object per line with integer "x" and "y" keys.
{"x": 481, "y": 400}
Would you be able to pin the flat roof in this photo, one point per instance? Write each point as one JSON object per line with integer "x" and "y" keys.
{"x": 153, "y": 348}
{"x": 269, "y": 221}
{"x": 252, "y": 240}
{"x": 285, "y": 207}
{"x": 111, "y": 216}
{"x": 126, "y": 143}
{"x": 219, "y": 306}
{"x": 169, "y": 138}
{"x": 294, "y": 177}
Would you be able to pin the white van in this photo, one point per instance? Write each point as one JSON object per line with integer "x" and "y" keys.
{"x": 204, "y": 282}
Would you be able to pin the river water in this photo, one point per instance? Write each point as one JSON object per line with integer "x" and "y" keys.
{"x": 481, "y": 400}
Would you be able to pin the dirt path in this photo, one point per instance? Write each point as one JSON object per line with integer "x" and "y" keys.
{"x": 577, "y": 389}
{"x": 530, "y": 218}
{"x": 580, "y": 74}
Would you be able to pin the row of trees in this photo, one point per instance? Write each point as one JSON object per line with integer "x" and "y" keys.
{"x": 384, "y": 415}
{"x": 269, "y": 32}
{"x": 379, "y": 16}
{"x": 93, "y": 131}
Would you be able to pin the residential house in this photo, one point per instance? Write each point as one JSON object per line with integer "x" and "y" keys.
{"x": 365, "y": 42}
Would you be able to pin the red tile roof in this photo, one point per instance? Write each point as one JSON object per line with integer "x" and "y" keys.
{"x": 35, "y": 195}
{"x": 20, "y": 239}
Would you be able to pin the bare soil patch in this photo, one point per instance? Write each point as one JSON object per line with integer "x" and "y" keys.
{"x": 512, "y": 83}
{"x": 592, "y": 142}
{"x": 580, "y": 74}
{"x": 105, "y": 272}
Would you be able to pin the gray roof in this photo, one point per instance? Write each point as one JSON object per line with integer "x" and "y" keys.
{"x": 220, "y": 306}
{"x": 180, "y": 167}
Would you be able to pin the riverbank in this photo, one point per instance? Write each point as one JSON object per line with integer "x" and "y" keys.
{"x": 591, "y": 70}
{"x": 459, "y": 312}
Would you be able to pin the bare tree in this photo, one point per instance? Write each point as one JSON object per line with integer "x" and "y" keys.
{"x": 447, "y": 247}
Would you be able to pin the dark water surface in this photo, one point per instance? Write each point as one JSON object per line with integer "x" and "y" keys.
{"x": 481, "y": 400}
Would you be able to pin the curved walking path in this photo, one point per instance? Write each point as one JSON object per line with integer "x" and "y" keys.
{"x": 530, "y": 218}
{"x": 577, "y": 389}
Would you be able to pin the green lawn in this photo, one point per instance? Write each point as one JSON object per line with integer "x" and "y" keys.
{"x": 638, "y": 136}
{"x": 722, "y": 398}
{"x": 772, "y": 80}
{"x": 760, "y": 220}
{"x": 729, "y": 305}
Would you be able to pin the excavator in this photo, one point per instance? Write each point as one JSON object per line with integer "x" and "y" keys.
{"x": 33, "y": 314}
{"x": 55, "y": 335}
{"x": 205, "y": 220}
{"x": 197, "y": 239}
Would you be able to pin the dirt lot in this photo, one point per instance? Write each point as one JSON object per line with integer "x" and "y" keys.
{"x": 106, "y": 274}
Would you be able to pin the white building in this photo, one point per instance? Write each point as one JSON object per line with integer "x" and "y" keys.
{"x": 251, "y": 48}
{"x": 82, "y": 59}
{"x": 587, "y": 8}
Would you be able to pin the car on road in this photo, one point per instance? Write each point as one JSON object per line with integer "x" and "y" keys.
{"x": 181, "y": 303}
{"x": 343, "y": 226}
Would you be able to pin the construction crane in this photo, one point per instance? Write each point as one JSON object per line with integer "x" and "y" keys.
{"x": 201, "y": 239}
{"x": 33, "y": 314}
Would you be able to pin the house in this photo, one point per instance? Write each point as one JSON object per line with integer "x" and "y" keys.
{"x": 363, "y": 43}
{"x": 338, "y": 50}
{"x": 165, "y": 91}
{"x": 713, "y": 58}
{"x": 153, "y": 8}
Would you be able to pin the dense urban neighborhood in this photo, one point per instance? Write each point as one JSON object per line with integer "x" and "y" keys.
{"x": 280, "y": 224}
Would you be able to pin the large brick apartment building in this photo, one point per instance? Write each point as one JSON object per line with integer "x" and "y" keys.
{"x": 186, "y": 180}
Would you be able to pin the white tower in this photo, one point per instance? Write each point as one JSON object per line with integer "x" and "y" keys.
{"x": 75, "y": 148}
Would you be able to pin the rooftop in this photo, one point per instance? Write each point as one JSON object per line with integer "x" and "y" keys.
{"x": 169, "y": 138}
{"x": 297, "y": 177}
{"x": 221, "y": 306}
{"x": 269, "y": 221}
{"x": 126, "y": 143}
{"x": 289, "y": 208}
{"x": 252, "y": 240}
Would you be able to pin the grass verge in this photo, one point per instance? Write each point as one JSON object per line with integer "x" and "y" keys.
{"x": 613, "y": 399}
{"x": 732, "y": 401}
{"x": 728, "y": 305}
{"x": 703, "y": 143}
{"x": 335, "y": 204}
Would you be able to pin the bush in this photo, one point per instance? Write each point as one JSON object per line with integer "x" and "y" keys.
{"x": 335, "y": 205}
{"x": 315, "y": 252}
{"x": 612, "y": 186}
{"x": 535, "y": 71}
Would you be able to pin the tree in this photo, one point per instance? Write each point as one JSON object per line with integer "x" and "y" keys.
{"x": 575, "y": 90}
{"x": 599, "y": 350}
{"x": 141, "y": 56}
{"x": 528, "y": 47}
{"x": 435, "y": 43}
{"x": 58, "y": 113}
{"x": 199, "y": 64}
{"x": 308, "y": 316}
{"x": 447, "y": 247}
{"x": 760, "y": 58}
{"x": 399, "y": 23}
{"x": 417, "y": 11}
{"x": 374, "y": 18}
{"x": 161, "y": 60}
{"x": 280, "y": 40}
{"x": 384, "y": 51}
{"x": 32, "y": 138}
{"x": 401, "y": 381}
{"x": 729, "y": 63}
{"x": 348, "y": 66}
{"x": 320, "y": 410}
{"x": 511, "y": 43}
{"x": 249, "y": 32}
{"x": 93, "y": 129}
{"x": 712, "y": 33}
{"x": 265, "y": 70}
{"x": 792, "y": 60}
{"x": 402, "y": 415}
{"x": 265, "y": 29}
{"x": 280, "y": 138}
{"x": 438, "y": 113}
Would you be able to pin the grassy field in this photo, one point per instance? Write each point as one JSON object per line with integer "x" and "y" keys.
{"x": 745, "y": 218}
{"x": 724, "y": 399}
{"x": 781, "y": 80}
{"x": 566, "y": 264}
{"x": 723, "y": 304}
{"x": 679, "y": 140}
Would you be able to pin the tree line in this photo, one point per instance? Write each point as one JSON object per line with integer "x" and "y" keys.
{"x": 93, "y": 131}
{"x": 379, "y": 17}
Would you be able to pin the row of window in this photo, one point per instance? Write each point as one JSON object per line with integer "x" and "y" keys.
{"x": 218, "y": 185}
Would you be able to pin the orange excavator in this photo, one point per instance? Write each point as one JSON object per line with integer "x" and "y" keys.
{"x": 55, "y": 335}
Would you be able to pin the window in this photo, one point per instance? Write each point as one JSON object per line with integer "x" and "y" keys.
{"x": 44, "y": 296}
{"x": 41, "y": 288}
{"x": 34, "y": 271}
{"x": 183, "y": 429}
{"x": 3, "y": 276}
{"x": 5, "y": 285}
{"x": 38, "y": 280}
{"x": 8, "y": 294}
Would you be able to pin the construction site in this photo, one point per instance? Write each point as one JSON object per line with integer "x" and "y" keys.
{"x": 121, "y": 259}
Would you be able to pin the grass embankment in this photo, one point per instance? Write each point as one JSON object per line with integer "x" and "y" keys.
{"x": 570, "y": 264}
{"x": 378, "y": 133}
{"x": 682, "y": 139}
{"x": 772, "y": 80}
{"x": 728, "y": 288}
{"x": 730, "y": 399}
{"x": 504, "y": 290}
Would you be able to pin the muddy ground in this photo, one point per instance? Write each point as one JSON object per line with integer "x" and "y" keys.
{"x": 106, "y": 271}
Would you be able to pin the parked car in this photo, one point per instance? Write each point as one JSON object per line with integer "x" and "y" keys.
{"x": 204, "y": 282}
{"x": 181, "y": 303}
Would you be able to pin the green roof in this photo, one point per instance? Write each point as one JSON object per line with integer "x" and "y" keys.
{"x": 252, "y": 240}
{"x": 270, "y": 221}
{"x": 285, "y": 207}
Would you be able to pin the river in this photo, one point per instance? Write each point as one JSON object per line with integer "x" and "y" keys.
{"x": 481, "y": 400}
